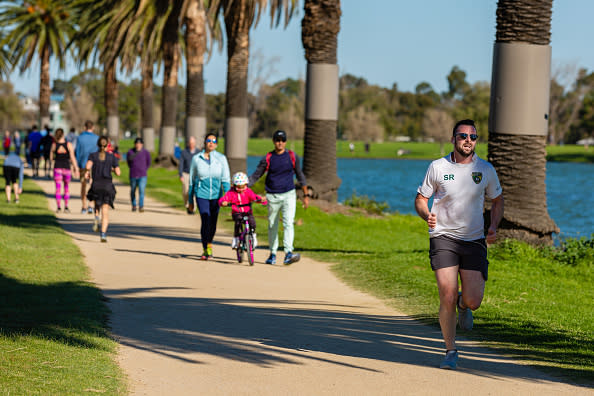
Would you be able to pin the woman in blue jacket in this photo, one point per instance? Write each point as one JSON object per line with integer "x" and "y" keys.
{"x": 209, "y": 180}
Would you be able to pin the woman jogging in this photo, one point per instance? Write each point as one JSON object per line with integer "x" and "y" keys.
{"x": 209, "y": 180}
{"x": 62, "y": 155}
{"x": 99, "y": 167}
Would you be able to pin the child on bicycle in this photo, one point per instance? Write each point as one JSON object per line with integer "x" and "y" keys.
{"x": 240, "y": 197}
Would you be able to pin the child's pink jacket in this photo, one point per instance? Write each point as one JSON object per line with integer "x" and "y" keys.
{"x": 236, "y": 199}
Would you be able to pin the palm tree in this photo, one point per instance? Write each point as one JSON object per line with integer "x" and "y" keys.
{"x": 195, "y": 40}
{"x": 518, "y": 116}
{"x": 319, "y": 31}
{"x": 39, "y": 28}
{"x": 239, "y": 17}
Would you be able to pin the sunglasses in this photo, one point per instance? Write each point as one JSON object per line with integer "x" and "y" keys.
{"x": 463, "y": 136}
{"x": 280, "y": 140}
{"x": 211, "y": 141}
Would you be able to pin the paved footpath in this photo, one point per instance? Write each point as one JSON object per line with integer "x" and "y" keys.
{"x": 189, "y": 327}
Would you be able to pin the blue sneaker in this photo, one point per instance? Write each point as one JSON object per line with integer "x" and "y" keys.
{"x": 450, "y": 362}
{"x": 465, "y": 319}
{"x": 291, "y": 258}
{"x": 271, "y": 259}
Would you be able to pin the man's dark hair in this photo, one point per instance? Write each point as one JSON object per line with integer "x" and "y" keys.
{"x": 88, "y": 124}
{"x": 209, "y": 134}
{"x": 463, "y": 122}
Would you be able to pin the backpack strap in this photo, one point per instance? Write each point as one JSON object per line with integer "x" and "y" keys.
{"x": 291, "y": 154}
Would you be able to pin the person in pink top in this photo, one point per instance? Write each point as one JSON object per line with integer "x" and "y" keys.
{"x": 240, "y": 197}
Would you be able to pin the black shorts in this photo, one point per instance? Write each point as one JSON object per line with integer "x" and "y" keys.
{"x": 11, "y": 174}
{"x": 102, "y": 193}
{"x": 468, "y": 255}
{"x": 35, "y": 154}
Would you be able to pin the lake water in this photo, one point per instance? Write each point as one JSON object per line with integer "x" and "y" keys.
{"x": 570, "y": 187}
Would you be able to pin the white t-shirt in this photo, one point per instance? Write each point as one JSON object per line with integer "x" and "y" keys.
{"x": 459, "y": 196}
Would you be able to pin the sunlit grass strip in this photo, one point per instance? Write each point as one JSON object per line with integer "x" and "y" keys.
{"x": 53, "y": 322}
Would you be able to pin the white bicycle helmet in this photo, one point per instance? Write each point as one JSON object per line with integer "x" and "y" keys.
{"x": 240, "y": 178}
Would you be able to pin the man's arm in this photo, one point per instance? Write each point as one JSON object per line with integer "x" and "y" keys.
{"x": 422, "y": 208}
{"x": 258, "y": 172}
{"x": 496, "y": 216}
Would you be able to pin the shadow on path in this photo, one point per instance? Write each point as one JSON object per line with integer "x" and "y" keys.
{"x": 270, "y": 332}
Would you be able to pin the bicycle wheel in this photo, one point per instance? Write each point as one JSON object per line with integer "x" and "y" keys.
{"x": 250, "y": 248}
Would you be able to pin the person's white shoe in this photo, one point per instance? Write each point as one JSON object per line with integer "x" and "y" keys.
{"x": 234, "y": 243}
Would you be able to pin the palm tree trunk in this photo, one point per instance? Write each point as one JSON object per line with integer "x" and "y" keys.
{"x": 320, "y": 27}
{"x": 518, "y": 117}
{"x": 169, "y": 101}
{"x": 238, "y": 21}
{"x": 44, "y": 88}
{"x": 146, "y": 106}
{"x": 111, "y": 101}
{"x": 195, "y": 21}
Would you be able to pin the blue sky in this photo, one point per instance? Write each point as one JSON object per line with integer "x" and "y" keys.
{"x": 395, "y": 41}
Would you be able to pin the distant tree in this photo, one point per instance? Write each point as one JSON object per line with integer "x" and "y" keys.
{"x": 363, "y": 124}
{"x": 80, "y": 106}
{"x": 11, "y": 112}
{"x": 438, "y": 124}
{"x": 37, "y": 29}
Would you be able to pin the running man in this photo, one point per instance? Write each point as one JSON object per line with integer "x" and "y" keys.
{"x": 85, "y": 145}
{"x": 459, "y": 182}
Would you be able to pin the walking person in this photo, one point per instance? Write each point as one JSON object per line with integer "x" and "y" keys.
{"x": 13, "y": 170}
{"x": 209, "y": 180}
{"x": 281, "y": 166}
{"x": 72, "y": 137}
{"x": 34, "y": 146}
{"x": 85, "y": 145}
{"x": 47, "y": 142}
{"x": 62, "y": 156}
{"x": 139, "y": 160}
{"x": 100, "y": 165}
{"x": 6, "y": 142}
{"x": 18, "y": 143}
{"x": 184, "y": 169}
{"x": 459, "y": 183}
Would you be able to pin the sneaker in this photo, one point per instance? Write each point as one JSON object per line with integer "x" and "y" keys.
{"x": 58, "y": 210}
{"x": 141, "y": 209}
{"x": 16, "y": 201}
{"x": 90, "y": 210}
{"x": 464, "y": 316}
{"x": 450, "y": 361}
{"x": 271, "y": 259}
{"x": 204, "y": 256}
{"x": 291, "y": 258}
{"x": 209, "y": 250}
{"x": 103, "y": 237}
{"x": 189, "y": 211}
{"x": 255, "y": 240}
{"x": 96, "y": 224}
{"x": 133, "y": 208}
{"x": 83, "y": 211}
{"x": 66, "y": 210}
{"x": 234, "y": 243}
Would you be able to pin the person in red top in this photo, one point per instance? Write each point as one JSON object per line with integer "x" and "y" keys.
{"x": 240, "y": 198}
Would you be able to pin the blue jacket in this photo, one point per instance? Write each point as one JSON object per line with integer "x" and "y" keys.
{"x": 208, "y": 177}
{"x": 85, "y": 145}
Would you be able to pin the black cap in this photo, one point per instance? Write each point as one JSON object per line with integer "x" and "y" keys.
{"x": 282, "y": 135}
{"x": 138, "y": 140}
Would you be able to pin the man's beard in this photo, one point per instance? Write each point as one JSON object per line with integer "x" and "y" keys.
{"x": 462, "y": 153}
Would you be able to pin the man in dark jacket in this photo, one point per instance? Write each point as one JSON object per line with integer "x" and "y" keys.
{"x": 282, "y": 166}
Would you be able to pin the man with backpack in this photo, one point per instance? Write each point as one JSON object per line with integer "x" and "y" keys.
{"x": 281, "y": 165}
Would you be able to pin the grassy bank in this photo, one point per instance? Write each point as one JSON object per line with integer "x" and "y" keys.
{"x": 53, "y": 322}
{"x": 403, "y": 150}
{"x": 537, "y": 305}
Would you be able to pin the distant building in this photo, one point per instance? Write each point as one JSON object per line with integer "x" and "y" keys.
{"x": 57, "y": 117}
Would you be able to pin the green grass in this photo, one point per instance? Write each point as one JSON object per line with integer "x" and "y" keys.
{"x": 53, "y": 323}
{"x": 538, "y": 302}
{"x": 409, "y": 150}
